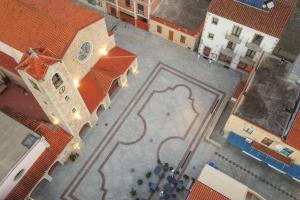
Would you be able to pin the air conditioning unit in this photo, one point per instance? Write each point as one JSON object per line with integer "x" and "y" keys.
{"x": 270, "y": 5}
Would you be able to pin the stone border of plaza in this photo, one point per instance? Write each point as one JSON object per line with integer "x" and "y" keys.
{"x": 216, "y": 107}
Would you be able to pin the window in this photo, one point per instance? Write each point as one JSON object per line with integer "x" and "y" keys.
{"x": 286, "y": 151}
{"x": 73, "y": 110}
{"x": 231, "y": 45}
{"x": 250, "y": 53}
{"x": 182, "y": 39}
{"x": 84, "y": 51}
{"x": 248, "y": 130}
{"x": 56, "y": 80}
{"x": 127, "y": 2}
{"x": 140, "y": 9}
{"x": 266, "y": 141}
{"x": 19, "y": 174}
{"x": 257, "y": 39}
{"x": 211, "y": 36}
{"x": 236, "y": 31}
{"x": 34, "y": 85}
{"x": 215, "y": 20}
{"x": 29, "y": 140}
{"x": 158, "y": 29}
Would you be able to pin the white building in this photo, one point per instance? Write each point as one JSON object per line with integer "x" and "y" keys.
{"x": 237, "y": 34}
{"x": 20, "y": 148}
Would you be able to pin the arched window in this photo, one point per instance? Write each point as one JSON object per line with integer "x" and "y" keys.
{"x": 56, "y": 80}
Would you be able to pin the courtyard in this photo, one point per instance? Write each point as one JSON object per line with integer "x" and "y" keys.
{"x": 165, "y": 114}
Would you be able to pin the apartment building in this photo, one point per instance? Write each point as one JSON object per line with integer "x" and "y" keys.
{"x": 136, "y": 12}
{"x": 180, "y": 21}
{"x": 237, "y": 33}
{"x": 212, "y": 184}
{"x": 65, "y": 58}
{"x": 264, "y": 122}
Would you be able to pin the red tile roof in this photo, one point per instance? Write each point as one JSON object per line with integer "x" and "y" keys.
{"x": 274, "y": 154}
{"x": 36, "y": 64}
{"x": 270, "y": 22}
{"x": 57, "y": 139}
{"x": 201, "y": 191}
{"x": 179, "y": 27}
{"x": 96, "y": 84}
{"x": 49, "y": 24}
{"x": 8, "y": 62}
{"x": 22, "y": 101}
{"x": 293, "y": 138}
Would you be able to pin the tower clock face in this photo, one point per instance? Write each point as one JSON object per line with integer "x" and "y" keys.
{"x": 84, "y": 51}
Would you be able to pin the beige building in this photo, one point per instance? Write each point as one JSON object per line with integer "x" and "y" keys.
{"x": 59, "y": 66}
{"x": 180, "y": 21}
{"x": 212, "y": 184}
{"x": 264, "y": 122}
{"x": 65, "y": 58}
{"x": 135, "y": 12}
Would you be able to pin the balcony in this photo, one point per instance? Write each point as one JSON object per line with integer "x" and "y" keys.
{"x": 141, "y": 12}
{"x": 253, "y": 46}
{"x": 233, "y": 38}
{"x": 247, "y": 60}
{"x": 224, "y": 59}
{"x": 228, "y": 52}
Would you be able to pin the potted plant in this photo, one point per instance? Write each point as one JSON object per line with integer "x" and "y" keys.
{"x": 166, "y": 166}
{"x": 148, "y": 174}
{"x": 140, "y": 181}
{"x": 186, "y": 177}
{"x": 74, "y": 156}
{"x": 132, "y": 192}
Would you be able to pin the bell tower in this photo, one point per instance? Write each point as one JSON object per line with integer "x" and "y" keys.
{"x": 51, "y": 84}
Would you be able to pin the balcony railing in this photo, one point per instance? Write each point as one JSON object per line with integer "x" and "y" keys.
{"x": 228, "y": 52}
{"x": 253, "y": 46}
{"x": 233, "y": 38}
{"x": 247, "y": 60}
{"x": 140, "y": 12}
{"x": 112, "y": 1}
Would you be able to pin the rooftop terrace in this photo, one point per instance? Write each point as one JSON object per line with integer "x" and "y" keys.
{"x": 186, "y": 13}
{"x": 271, "y": 97}
{"x": 289, "y": 44}
{"x": 16, "y": 139}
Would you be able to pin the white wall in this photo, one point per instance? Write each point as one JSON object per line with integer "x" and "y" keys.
{"x": 8, "y": 183}
{"x": 17, "y": 55}
{"x": 225, "y": 26}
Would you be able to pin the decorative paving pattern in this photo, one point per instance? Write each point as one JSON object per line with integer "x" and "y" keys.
{"x": 165, "y": 120}
{"x": 256, "y": 176}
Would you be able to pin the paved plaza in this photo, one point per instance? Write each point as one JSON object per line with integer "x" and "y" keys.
{"x": 165, "y": 113}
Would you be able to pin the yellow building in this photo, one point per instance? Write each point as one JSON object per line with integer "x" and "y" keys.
{"x": 264, "y": 121}
{"x": 179, "y": 21}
